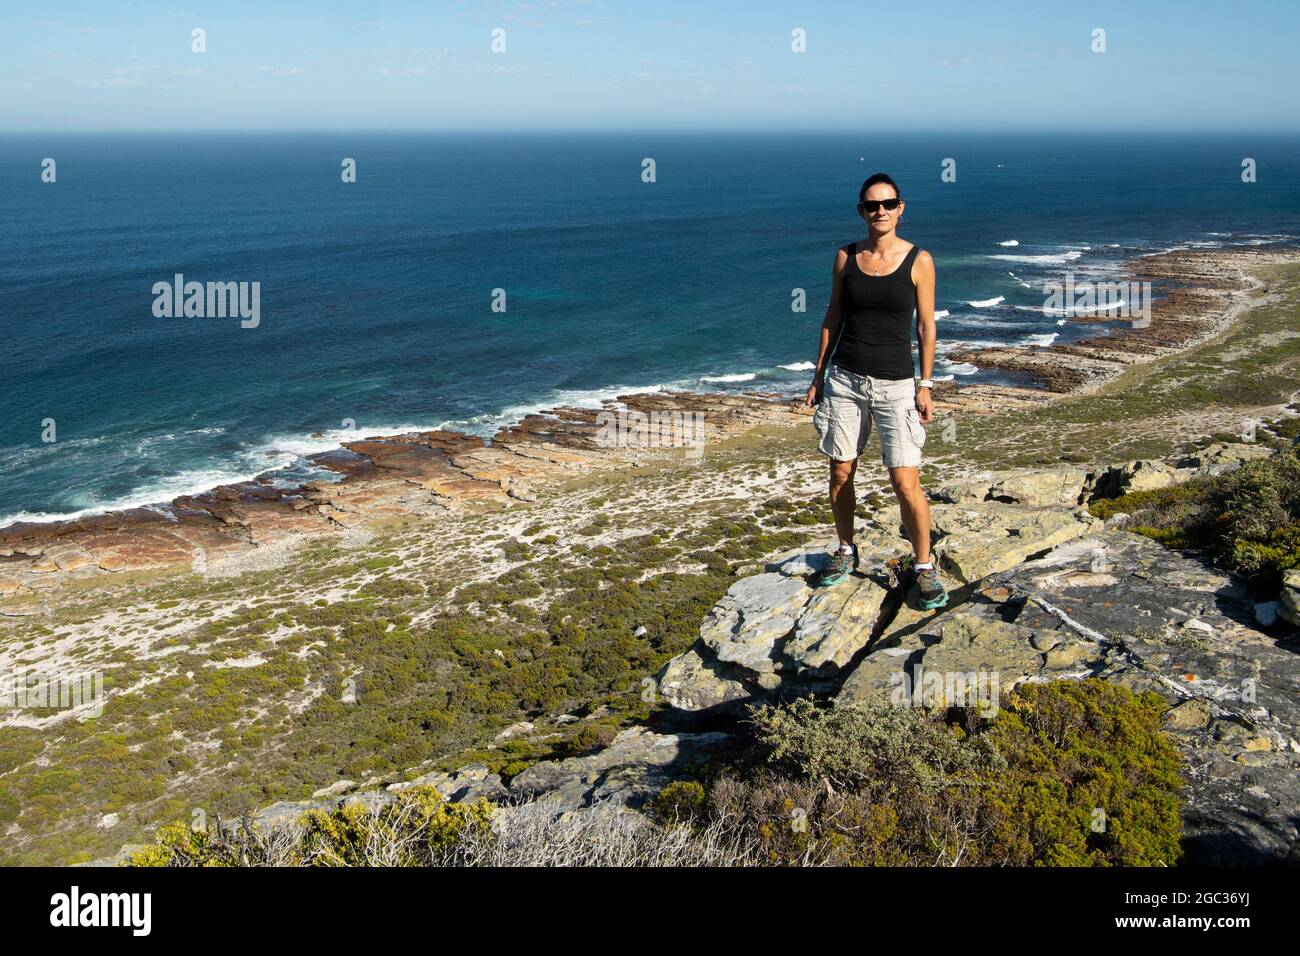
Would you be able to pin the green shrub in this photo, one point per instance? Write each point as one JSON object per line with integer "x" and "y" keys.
{"x": 10, "y": 808}
{"x": 680, "y": 800}
{"x": 1071, "y": 773}
{"x": 1091, "y": 780}
{"x": 870, "y": 744}
{"x": 179, "y": 845}
{"x": 412, "y": 830}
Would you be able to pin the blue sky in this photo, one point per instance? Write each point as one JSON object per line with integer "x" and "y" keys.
{"x": 727, "y": 64}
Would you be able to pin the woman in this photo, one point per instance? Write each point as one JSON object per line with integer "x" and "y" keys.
{"x": 866, "y": 338}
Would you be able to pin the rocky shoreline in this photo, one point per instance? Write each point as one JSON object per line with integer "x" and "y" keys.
{"x": 427, "y": 473}
{"x": 421, "y": 474}
{"x": 1200, "y": 295}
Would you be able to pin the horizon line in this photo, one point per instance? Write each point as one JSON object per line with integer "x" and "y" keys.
{"x": 569, "y": 130}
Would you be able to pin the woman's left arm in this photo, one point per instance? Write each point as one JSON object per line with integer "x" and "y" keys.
{"x": 926, "y": 332}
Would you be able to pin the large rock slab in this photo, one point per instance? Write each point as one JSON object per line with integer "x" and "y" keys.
{"x": 468, "y": 783}
{"x": 690, "y": 682}
{"x": 996, "y": 653}
{"x": 631, "y": 770}
{"x": 894, "y": 655}
{"x": 1120, "y": 607}
{"x": 1134, "y": 476}
{"x": 835, "y": 625}
{"x": 774, "y": 631}
{"x": 983, "y": 538}
{"x": 1289, "y": 602}
{"x": 1031, "y": 487}
{"x": 750, "y": 625}
{"x": 1222, "y": 457}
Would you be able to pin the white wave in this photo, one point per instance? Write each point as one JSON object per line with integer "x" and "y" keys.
{"x": 486, "y": 425}
{"x": 981, "y": 321}
{"x": 1009, "y": 242}
{"x": 1023, "y": 283}
{"x": 800, "y": 366}
{"x": 1043, "y": 260}
{"x": 945, "y": 347}
{"x": 961, "y": 368}
{"x": 181, "y": 484}
{"x": 1047, "y": 338}
{"x": 986, "y": 303}
{"x": 738, "y": 377}
{"x": 940, "y": 314}
{"x": 1076, "y": 310}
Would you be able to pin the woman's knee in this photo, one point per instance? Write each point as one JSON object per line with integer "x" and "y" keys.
{"x": 905, "y": 481}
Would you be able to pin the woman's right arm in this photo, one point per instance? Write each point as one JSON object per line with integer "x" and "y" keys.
{"x": 830, "y": 332}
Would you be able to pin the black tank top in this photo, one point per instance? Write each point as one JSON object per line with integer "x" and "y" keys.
{"x": 876, "y": 334}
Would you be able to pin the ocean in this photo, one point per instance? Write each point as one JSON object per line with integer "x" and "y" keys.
{"x": 376, "y": 297}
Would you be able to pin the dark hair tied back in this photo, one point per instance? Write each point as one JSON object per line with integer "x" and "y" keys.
{"x": 876, "y": 179}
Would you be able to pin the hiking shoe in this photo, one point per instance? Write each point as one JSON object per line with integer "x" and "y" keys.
{"x": 930, "y": 589}
{"x": 841, "y": 565}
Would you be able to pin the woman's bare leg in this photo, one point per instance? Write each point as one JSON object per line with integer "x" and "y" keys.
{"x": 843, "y": 499}
{"x": 915, "y": 509}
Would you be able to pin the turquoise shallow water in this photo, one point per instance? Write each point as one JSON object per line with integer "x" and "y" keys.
{"x": 376, "y": 296}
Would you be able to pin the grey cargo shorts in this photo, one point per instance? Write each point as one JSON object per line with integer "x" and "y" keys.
{"x": 850, "y": 403}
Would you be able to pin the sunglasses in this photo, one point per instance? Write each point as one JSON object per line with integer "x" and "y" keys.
{"x": 872, "y": 205}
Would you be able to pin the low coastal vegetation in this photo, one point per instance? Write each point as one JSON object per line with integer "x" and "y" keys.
{"x": 417, "y": 829}
{"x": 1069, "y": 773}
{"x": 287, "y": 693}
{"x": 1247, "y": 521}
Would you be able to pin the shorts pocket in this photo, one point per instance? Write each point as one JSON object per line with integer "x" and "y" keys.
{"x": 915, "y": 428}
{"x": 821, "y": 415}
{"x": 832, "y": 386}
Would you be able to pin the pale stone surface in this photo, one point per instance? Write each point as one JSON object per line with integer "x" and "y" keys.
{"x": 633, "y": 768}
{"x": 1289, "y": 603}
{"x": 836, "y": 624}
{"x": 1033, "y": 487}
{"x": 745, "y": 626}
{"x": 1040, "y": 489}
{"x": 986, "y": 537}
{"x": 689, "y": 683}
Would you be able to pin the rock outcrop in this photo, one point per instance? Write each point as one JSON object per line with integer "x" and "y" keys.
{"x": 774, "y": 630}
{"x": 1193, "y": 294}
{"x": 1289, "y": 604}
{"x": 981, "y": 538}
{"x": 1043, "y": 594}
{"x": 636, "y": 765}
{"x": 631, "y": 770}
